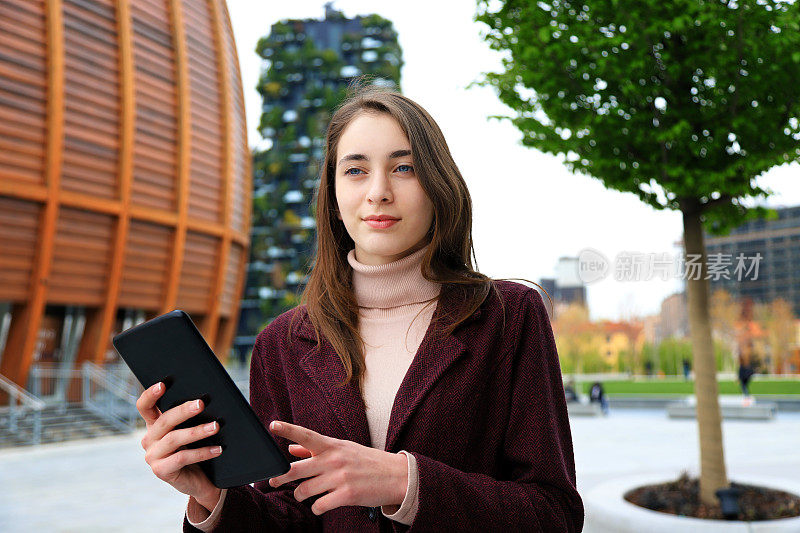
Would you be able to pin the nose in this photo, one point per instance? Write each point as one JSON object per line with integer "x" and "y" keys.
{"x": 380, "y": 188}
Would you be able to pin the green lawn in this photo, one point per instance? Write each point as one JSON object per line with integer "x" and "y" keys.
{"x": 657, "y": 386}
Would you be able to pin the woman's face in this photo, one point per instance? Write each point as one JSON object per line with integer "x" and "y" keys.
{"x": 375, "y": 175}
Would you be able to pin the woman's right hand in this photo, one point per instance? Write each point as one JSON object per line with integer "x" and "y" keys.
{"x": 165, "y": 450}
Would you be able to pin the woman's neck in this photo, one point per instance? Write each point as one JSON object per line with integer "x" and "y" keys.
{"x": 392, "y": 284}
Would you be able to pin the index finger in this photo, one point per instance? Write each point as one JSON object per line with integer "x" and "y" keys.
{"x": 311, "y": 440}
{"x": 146, "y": 404}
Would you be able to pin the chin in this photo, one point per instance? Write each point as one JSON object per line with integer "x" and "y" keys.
{"x": 384, "y": 249}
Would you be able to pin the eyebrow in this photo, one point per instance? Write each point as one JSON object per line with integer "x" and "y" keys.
{"x": 362, "y": 157}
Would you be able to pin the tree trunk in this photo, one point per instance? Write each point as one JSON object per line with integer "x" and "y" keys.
{"x": 709, "y": 420}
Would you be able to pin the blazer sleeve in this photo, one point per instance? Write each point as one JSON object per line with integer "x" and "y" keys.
{"x": 538, "y": 490}
{"x": 260, "y": 507}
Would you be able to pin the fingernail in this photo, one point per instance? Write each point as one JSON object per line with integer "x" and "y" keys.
{"x": 216, "y": 450}
{"x": 196, "y": 405}
{"x": 157, "y": 387}
{"x": 275, "y": 425}
{"x": 210, "y": 427}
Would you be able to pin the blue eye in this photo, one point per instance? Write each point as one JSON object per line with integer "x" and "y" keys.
{"x": 349, "y": 169}
{"x": 411, "y": 169}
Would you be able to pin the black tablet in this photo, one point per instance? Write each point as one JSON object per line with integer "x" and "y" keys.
{"x": 170, "y": 349}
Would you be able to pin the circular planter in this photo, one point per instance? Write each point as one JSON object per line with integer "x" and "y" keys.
{"x": 608, "y": 512}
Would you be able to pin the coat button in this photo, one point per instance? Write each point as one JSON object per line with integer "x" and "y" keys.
{"x": 373, "y": 513}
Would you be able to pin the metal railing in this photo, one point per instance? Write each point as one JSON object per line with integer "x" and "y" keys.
{"x": 109, "y": 397}
{"x": 55, "y": 385}
{"x": 21, "y": 402}
{"x": 106, "y": 393}
{"x": 109, "y": 392}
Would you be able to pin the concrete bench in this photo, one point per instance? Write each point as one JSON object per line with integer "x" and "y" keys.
{"x": 730, "y": 408}
{"x": 584, "y": 409}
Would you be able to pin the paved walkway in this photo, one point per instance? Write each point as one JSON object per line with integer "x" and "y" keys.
{"x": 639, "y": 442}
{"x": 105, "y": 485}
{"x": 93, "y": 485}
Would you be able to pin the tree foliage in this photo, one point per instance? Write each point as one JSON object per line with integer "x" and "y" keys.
{"x": 683, "y": 102}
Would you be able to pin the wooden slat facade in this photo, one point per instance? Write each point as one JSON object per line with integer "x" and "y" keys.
{"x": 124, "y": 167}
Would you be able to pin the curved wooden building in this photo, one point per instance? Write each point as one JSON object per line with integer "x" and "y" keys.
{"x": 124, "y": 169}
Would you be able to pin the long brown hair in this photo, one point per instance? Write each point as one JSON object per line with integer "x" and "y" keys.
{"x": 328, "y": 295}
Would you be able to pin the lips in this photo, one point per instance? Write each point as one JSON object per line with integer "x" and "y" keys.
{"x": 380, "y": 224}
{"x": 381, "y": 217}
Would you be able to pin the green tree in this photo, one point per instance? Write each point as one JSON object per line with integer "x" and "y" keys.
{"x": 672, "y": 352}
{"x": 573, "y": 331}
{"x": 682, "y": 103}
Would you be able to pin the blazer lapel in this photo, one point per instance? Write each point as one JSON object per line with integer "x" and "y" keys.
{"x": 435, "y": 354}
{"x": 326, "y": 370}
{"x": 432, "y": 359}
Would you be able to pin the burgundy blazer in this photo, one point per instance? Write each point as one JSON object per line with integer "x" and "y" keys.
{"x": 483, "y": 413}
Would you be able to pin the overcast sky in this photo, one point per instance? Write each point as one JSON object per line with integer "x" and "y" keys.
{"x": 528, "y": 209}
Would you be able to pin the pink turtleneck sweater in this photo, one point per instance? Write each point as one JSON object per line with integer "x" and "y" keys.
{"x": 389, "y": 297}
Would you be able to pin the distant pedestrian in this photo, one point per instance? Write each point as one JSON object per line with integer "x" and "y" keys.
{"x": 746, "y": 372}
{"x": 569, "y": 391}
{"x": 598, "y": 395}
{"x": 687, "y": 368}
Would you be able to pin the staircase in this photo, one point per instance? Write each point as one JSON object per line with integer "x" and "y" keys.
{"x": 58, "y": 424}
{"x": 107, "y": 404}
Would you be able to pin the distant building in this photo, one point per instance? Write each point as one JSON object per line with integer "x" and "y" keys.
{"x": 616, "y": 339}
{"x": 649, "y": 327}
{"x": 566, "y": 288}
{"x": 673, "y": 320}
{"x": 599, "y": 346}
{"x": 778, "y": 243}
{"x": 124, "y": 176}
{"x": 309, "y": 64}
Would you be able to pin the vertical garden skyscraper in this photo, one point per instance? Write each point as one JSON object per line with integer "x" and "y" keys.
{"x": 308, "y": 66}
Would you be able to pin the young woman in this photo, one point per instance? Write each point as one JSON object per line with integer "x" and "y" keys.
{"x": 413, "y": 392}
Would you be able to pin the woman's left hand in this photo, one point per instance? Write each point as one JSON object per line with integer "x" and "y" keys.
{"x": 350, "y": 473}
